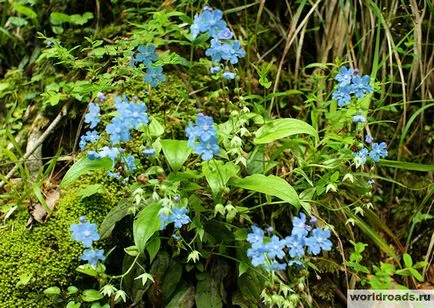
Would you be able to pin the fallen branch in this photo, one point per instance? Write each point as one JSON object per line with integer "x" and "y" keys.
{"x": 37, "y": 144}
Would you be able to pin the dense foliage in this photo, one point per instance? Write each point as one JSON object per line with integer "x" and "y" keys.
{"x": 183, "y": 153}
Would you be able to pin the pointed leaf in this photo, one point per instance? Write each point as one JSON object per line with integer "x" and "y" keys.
{"x": 270, "y": 185}
{"x": 83, "y": 166}
{"x": 145, "y": 225}
{"x": 282, "y": 128}
{"x": 176, "y": 152}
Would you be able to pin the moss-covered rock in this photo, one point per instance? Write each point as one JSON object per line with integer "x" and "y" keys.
{"x": 45, "y": 254}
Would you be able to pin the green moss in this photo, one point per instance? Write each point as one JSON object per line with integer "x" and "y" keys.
{"x": 46, "y": 252}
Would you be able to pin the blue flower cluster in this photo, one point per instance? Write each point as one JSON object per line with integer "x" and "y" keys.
{"x": 267, "y": 251}
{"x": 222, "y": 47}
{"x": 86, "y": 233}
{"x": 130, "y": 116}
{"x": 378, "y": 151}
{"x": 349, "y": 82}
{"x": 178, "y": 216}
{"x": 202, "y": 137}
{"x": 147, "y": 56}
{"x": 92, "y": 118}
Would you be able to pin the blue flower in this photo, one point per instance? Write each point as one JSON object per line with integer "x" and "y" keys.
{"x": 114, "y": 175}
{"x": 275, "y": 247}
{"x": 118, "y": 130}
{"x": 82, "y": 143}
{"x": 85, "y": 232}
{"x": 205, "y": 127}
{"x": 195, "y": 28}
{"x": 269, "y": 229}
{"x": 319, "y": 240}
{"x": 101, "y": 97}
{"x": 342, "y": 95}
{"x": 275, "y": 266}
{"x": 300, "y": 228}
{"x": 257, "y": 254}
{"x": 295, "y": 244}
{"x": 149, "y": 152}
{"x": 225, "y": 34}
{"x": 362, "y": 154}
{"x": 146, "y": 55}
{"x": 208, "y": 149}
{"x": 217, "y": 50}
{"x": 203, "y": 137}
{"x": 358, "y": 118}
{"x": 229, "y": 75}
{"x": 257, "y": 235}
{"x": 92, "y": 155}
{"x": 233, "y": 52}
{"x": 179, "y": 217}
{"x": 154, "y": 75}
{"x": 345, "y": 75}
{"x": 90, "y": 136}
{"x": 378, "y": 151}
{"x": 360, "y": 86}
{"x": 368, "y": 139}
{"x": 130, "y": 163}
{"x": 92, "y": 256}
{"x": 215, "y": 69}
{"x": 211, "y": 21}
{"x": 92, "y": 117}
{"x": 134, "y": 114}
{"x": 112, "y": 153}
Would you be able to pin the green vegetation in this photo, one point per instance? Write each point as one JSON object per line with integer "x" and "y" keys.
{"x": 274, "y": 134}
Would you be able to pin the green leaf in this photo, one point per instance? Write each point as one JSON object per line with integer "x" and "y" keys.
{"x": 176, "y": 152}
{"x": 282, "y": 128}
{"x": 406, "y": 165}
{"x": 132, "y": 251}
{"x": 153, "y": 247}
{"x": 207, "y": 293}
{"x": 420, "y": 264}
{"x": 72, "y": 290}
{"x": 91, "y": 190}
{"x": 116, "y": 214}
{"x": 270, "y": 185}
{"x": 83, "y": 166}
{"x": 91, "y": 295}
{"x": 251, "y": 286}
{"x": 379, "y": 241}
{"x": 24, "y": 279}
{"x": 17, "y": 21}
{"x": 171, "y": 58}
{"x": 24, "y": 10}
{"x": 416, "y": 274}
{"x": 218, "y": 174}
{"x": 242, "y": 268}
{"x": 58, "y": 18}
{"x": 4, "y": 86}
{"x": 145, "y": 225}
{"x": 407, "y": 260}
{"x": 171, "y": 278}
{"x": 419, "y": 217}
{"x": 87, "y": 269}
{"x": 52, "y": 291}
{"x": 182, "y": 299}
{"x": 155, "y": 128}
{"x": 77, "y": 19}
{"x": 73, "y": 304}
